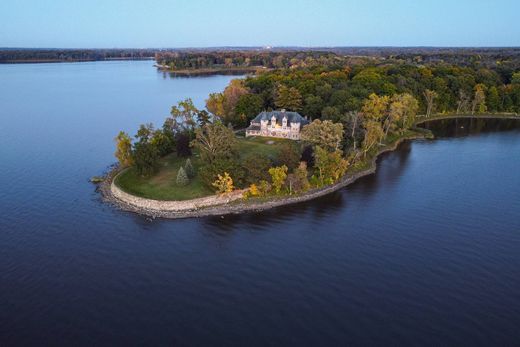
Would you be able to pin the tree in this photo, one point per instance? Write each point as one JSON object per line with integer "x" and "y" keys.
{"x": 515, "y": 78}
{"x": 162, "y": 142}
{"x": 288, "y": 98}
{"x": 232, "y": 94}
{"x": 203, "y": 117}
{"x": 331, "y": 165}
{"x": 479, "y": 99}
{"x": 278, "y": 176}
{"x": 403, "y": 109}
{"x": 326, "y": 134}
{"x": 214, "y": 142}
{"x": 224, "y": 184}
{"x": 289, "y": 155}
{"x": 186, "y": 112}
{"x": 256, "y": 167}
{"x": 215, "y": 104}
{"x": 188, "y": 167}
{"x": 182, "y": 177}
{"x": 182, "y": 145}
{"x": 313, "y": 106}
{"x": 249, "y": 105}
{"x": 429, "y": 96}
{"x": 353, "y": 121}
{"x": 124, "y": 149}
{"x": 376, "y": 107}
{"x": 463, "y": 102}
{"x": 373, "y": 134}
{"x": 298, "y": 181}
{"x": 493, "y": 99}
{"x": 146, "y": 155}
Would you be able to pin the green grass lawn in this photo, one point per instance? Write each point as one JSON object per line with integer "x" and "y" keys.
{"x": 260, "y": 145}
{"x": 163, "y": 186}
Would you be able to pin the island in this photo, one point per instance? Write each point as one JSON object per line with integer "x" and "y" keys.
{"x": 291, "y": 134}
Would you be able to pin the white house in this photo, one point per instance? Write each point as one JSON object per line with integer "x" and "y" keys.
{"x": 280, "y": 124}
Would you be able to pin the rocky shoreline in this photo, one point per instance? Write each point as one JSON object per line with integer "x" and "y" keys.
{"x": 228, "y": 207}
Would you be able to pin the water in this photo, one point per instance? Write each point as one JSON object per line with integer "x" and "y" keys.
{"x": 426, "y": 251}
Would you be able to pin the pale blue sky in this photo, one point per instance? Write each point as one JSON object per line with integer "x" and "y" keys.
{"x": 197, "y": 23}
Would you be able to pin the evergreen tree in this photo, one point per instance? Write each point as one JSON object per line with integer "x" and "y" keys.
{"x": 190, "y": 171}
{"x": 182, "y": 177}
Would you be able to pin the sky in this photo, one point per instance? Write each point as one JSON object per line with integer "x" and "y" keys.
{"x": 210, "y": 23}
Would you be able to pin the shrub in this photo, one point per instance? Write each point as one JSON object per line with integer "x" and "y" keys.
{"x": 252, "y": 191}
{"x": 208, "y": 173}
{"x": 264, "y": 187}
{"x": 182, "y": 177}
{"x": 224, "y": 184}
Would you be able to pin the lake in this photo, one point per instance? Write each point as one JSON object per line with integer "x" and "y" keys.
{"x": 424, "y": 252}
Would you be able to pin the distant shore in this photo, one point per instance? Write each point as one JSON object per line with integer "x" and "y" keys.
{"x": 39, "y": 61}
{"x": 212, "y": 71}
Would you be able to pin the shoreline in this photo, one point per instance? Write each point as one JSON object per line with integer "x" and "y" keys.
{"x": 230, "y": 206}
{"x": 226, "y": 205}
{"x": 234, "y": 71}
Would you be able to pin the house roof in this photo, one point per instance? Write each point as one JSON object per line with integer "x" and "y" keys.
{"x": 292, "y": 117}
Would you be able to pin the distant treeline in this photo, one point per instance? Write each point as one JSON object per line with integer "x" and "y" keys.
{"x": 503, "y": 60}
{"x": 200, "y": 59}
{"x": 56, "y": 55}
{"x": 477, "y": 84}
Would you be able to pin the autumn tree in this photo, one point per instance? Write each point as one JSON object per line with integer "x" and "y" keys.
{"x": 298, "y": 182}
{"x": 331, "y": 166}
{"x": 373, "y": 135}
{"x": 326, "y": 134}
{"x": 288, "y": 98}
{"x": 232, "y": 94}
{"x": 479, "y": 99}
{"x": 215, "y": 104}
{"x": 124, "y": 149}
{"x": 186, "y": 112}
{"x": 376, "y": 107}
{"x": 403, "y": 109}
{"x": 278, "y": 176}
{"x": 430, "y": 96}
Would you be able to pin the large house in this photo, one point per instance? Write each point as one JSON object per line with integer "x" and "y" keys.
{"x": 281, "y": 124}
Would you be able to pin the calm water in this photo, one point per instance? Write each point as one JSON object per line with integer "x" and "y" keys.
{"x": 426, "y": 251}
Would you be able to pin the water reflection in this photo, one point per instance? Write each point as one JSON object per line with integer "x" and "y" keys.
{"x": 458, "y": 127}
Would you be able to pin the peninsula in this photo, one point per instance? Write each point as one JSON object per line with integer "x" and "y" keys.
{"x": 291, "y": 134}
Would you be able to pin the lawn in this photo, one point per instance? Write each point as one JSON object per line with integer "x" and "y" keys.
{"x": 163, "y": 186}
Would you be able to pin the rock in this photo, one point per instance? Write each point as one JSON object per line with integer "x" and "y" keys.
{"x": 97, "y": 179}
